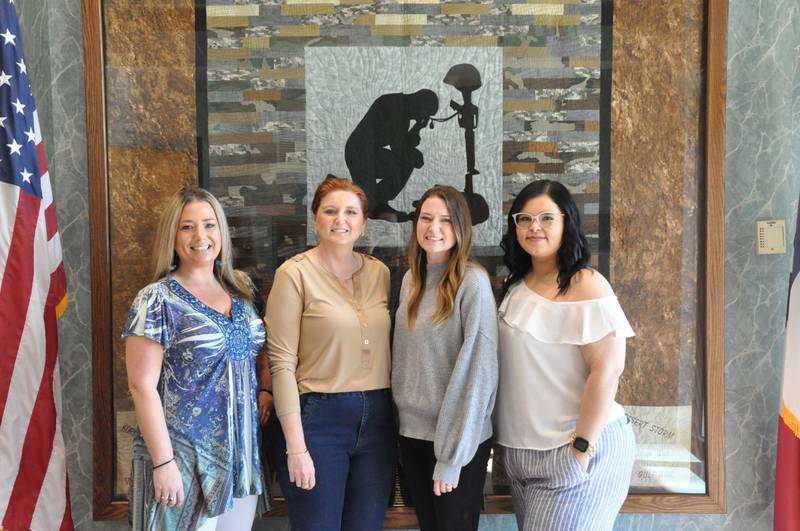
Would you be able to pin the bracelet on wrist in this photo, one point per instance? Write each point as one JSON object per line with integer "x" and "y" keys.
{"x": 295, "y": 454}
{"x": 265, "y": 390}
{"x": 168, "y": 461}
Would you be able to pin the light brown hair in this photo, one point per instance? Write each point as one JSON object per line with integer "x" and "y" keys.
{"x": 453, "y": 275}
{"x": 164, "y": 257}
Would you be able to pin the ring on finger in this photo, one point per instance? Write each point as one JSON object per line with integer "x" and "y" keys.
{"x": 170, "y": 498}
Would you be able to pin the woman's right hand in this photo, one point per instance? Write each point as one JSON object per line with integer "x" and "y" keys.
{"x": 301, "y": 470}
{"x": 264, "y": 406}
{"x": 167, "y": 482}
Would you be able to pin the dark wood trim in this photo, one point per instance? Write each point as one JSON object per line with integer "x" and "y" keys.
{"x": 716, "y": 90}
{"x": 102, "y": 368}
{"x": 105, "y": 507}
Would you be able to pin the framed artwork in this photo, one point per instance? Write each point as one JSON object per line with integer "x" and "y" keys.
{"x": 257, "y": 101}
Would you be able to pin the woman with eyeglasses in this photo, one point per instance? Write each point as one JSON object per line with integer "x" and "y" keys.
{"x": 444, "y": 366}
{"x": 566, "y": 445}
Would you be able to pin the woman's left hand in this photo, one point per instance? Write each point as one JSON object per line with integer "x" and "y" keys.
{"x": 264, "y": 406}
{"x": 440, "y": 487}
{"x": 582, "y": 458}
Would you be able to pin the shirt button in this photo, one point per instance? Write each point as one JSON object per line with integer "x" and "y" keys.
{"x": 366, "y": 341}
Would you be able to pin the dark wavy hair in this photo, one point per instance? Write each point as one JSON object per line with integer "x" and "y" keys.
{"x": 574, "y": 253}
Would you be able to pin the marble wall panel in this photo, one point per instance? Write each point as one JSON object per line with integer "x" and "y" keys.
{"x": 762, "y": 180}
{"x": 140, "y": 179}
{"x": 655, "y": 116}
{"x": 150, "y": 76}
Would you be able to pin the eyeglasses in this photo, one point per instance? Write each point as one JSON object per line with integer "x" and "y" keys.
{"x": 523, "y": 220}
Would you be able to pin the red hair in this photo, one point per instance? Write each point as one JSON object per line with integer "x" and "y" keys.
{"x": 336, "y": 184}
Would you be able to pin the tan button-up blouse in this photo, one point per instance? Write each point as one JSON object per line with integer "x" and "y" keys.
{"x": 320, "y": 338}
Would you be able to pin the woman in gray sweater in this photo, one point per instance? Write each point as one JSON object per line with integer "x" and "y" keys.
{"x": 444, "y": 366}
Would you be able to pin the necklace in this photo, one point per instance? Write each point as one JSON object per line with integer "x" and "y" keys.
{"x": 343, "y": 279}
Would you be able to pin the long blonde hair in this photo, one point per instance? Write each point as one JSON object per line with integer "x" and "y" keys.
{"x": 453, "y": 275}
{"x": 164, "y": 257}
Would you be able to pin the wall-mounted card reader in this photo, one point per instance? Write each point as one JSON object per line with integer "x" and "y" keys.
{"x": 771, "y": 236}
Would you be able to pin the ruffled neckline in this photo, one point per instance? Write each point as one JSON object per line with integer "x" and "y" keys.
{"x": 567, "y": 322}
{"x": 545, "y": 299}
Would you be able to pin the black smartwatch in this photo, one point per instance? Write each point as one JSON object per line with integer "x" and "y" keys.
{"x": 580, "y": 444}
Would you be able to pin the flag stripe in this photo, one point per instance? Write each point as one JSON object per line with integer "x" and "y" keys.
{"x": 25, "y": 380}
{"x": 53, "y": 252}
{"x": 38, "y": 447}
{"x": 42, "y": 159}
{"x": 47, "y": 191}
{"x": 66, "y": 521}
{"x": 59, "y": 291}
{"x": 9, "y": 194}
{"x": 48, "y": 514}
{"x": 787, "y": 480}
{"x": 15, "y": 290}
{"x": 50, "y": 220}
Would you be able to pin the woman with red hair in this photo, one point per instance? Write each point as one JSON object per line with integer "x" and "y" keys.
{"x": 328, "y": 349}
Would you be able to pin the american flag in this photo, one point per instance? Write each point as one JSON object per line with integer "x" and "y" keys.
{"x": 34, "y": 492}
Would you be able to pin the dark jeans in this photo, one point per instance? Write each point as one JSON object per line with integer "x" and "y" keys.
{"x": 351, "y": 438}
{"x": 458, "y": 510}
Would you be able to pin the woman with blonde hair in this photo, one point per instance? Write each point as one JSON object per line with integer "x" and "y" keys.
{"x": 328, "y": 349}
{"x": 192, "y": 337}
{"x": 444, "y": 366}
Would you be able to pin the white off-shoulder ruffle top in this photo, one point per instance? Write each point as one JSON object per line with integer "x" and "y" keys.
{"x": 542, "y": 372}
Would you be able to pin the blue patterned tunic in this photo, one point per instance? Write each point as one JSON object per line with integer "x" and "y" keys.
{"x": 209, "y": 391}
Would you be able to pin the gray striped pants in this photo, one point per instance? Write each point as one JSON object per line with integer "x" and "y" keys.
{"x": 551, "y": 492}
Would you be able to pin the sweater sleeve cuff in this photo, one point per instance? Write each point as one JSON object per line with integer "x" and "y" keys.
{"x": 447, "y": 473}
{"x": 287, "y": 397}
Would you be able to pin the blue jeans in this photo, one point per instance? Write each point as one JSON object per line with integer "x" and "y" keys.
{"x": 352, "y": 439}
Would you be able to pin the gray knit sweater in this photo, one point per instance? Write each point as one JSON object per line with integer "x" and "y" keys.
{"x": 444, "y": 378}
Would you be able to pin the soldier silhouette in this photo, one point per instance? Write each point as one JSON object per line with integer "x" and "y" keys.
{"x": 381, "y": 152}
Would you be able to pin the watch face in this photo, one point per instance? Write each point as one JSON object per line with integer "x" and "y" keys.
{"x": 581, "y": 444}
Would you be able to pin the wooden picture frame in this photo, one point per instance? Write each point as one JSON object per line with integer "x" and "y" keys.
{"x": 107, "y": 507}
